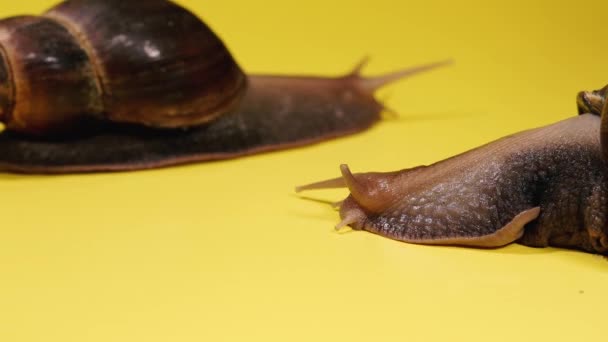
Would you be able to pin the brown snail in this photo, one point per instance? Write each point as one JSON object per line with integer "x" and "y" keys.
{"x": 542, "y": 187}
{"x": 100, "y": 85}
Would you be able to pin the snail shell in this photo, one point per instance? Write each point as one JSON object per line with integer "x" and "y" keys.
{"x": 542, "y": 187}
{"x": 150, "y": 63}
{"x": 100, "y": 85}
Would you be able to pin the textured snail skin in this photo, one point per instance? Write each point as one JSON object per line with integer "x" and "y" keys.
{"x": 276, "y": 112}
{"x": 111, "y": 85}
{"x": 543, "y": 187}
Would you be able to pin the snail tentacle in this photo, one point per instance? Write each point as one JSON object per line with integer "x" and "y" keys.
{"x": 325, "y": 184}
{"x": 371, "y": 84}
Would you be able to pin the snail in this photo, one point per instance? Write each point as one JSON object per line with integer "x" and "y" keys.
{"x": 110, "y": 85}
{"x": 541, "y": 187}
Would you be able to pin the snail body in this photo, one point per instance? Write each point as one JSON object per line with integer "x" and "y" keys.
{"x": 543, "y": 187}
{"x": 108, "y": 85}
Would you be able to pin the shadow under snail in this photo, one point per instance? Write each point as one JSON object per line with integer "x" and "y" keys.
{"x": 109, "y": 85}
{"x": 542, "y": 187}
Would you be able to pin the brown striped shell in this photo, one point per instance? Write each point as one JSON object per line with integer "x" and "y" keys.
{"x": 146, "y": 62}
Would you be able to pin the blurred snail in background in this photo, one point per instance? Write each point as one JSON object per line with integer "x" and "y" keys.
{"x": 542, "y": 187}
{"x": 109, "y": 85}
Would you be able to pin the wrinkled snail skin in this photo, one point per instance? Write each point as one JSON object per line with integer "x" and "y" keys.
{"x": 112, "y": 85}
{"x": 543, "y": 187}
{"x": 275, "y": 113}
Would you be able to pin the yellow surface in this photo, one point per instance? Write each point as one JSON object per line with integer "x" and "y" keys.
{"x": 226, "y": 251}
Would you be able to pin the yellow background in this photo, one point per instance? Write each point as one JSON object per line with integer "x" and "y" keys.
{"x": 226, "y": 251}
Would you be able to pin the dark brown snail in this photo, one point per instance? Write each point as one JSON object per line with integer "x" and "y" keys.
{"x": 543, "y": 187}
{"x": 99, "y": 85}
